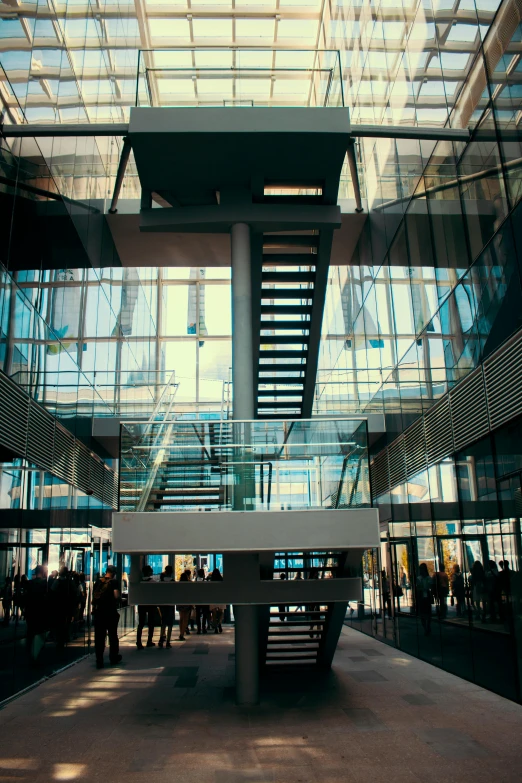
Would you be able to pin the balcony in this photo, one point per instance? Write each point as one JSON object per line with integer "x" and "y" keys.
{"x": 306, "y": 480}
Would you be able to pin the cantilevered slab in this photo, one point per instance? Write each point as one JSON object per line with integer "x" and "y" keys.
{"x": 192, "y": 154}
{"x": 260, "y": 217}
{"x": 238, "y": 531}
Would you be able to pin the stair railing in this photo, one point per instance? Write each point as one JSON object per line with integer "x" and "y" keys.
{"x": 158, "y": 448}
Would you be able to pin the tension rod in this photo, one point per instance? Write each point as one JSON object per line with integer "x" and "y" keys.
{"x": 122, "y": 167}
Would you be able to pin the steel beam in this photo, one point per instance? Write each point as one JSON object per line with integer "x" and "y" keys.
{"x": 59, "y": 129}
{"x": 122, "y": 168}
{"x": 122, "y": 129}
{"x": 411, "y": 132}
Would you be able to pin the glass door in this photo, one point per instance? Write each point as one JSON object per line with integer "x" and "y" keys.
{"x": 403, "y": 576}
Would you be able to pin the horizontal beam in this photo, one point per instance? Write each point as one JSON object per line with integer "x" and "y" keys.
{"x": 274, "y": 591}
{"x": 236, "y": 531}
{"x": 121, "y": 129}
{"x": 60, "y": 129}
{"x": 411, "y": 132}
{"x": 220, "y": 218}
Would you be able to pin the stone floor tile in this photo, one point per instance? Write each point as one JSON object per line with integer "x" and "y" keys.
{"x": 452, "y": 743}
{"x": 368, "y": 675}
{"x": 418, "y": 699}
{"x": 364, "y": 719}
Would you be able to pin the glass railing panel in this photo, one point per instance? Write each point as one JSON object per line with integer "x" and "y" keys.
{"x": 240, "y": 78}
{"x": 174, "y": 465}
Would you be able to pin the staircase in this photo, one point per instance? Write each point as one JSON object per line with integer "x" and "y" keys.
{"x": 293, "y": 286}
{"x": 183, "y": 485}
{"x": 294, "y": 638}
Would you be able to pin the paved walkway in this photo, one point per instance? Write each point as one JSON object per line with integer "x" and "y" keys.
{"x": 169, "y": 715}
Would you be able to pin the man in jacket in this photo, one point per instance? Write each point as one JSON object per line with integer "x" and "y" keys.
{"x": 105, "y": 602}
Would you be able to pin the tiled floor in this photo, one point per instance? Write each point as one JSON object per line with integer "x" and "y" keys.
{"x": 169, "y": 715}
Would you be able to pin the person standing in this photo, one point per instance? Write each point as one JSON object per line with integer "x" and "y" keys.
{"x": 425, "y": 597}
{"x": 82, "y": 590}
{"x": 146, "y": 613}
{"x": 282, "y": 607}
{"x": 36, "y": 612}
{"x": 217, "y": 610}
{"x": 64, "y": 603}
{"x": 442, "y": 590}
{"x": 184, "y": 611}
{"x": 7, "y": 599}
{"x": 166, "y": 611}
{"x": 202, "y": 611}
{"x": 458, "y": 590}
{"x": 105, "y": 602}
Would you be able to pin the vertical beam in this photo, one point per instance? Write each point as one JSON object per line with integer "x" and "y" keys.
{"x": 242, "y": 348}
{"x": 247, "y": 654}
{"x": 322, "y": 261}
{"x": 352, "y": 162}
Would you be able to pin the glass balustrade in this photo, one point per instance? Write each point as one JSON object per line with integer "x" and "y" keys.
{"x": 224, "y": 465}
{"x": 240, "y": 77}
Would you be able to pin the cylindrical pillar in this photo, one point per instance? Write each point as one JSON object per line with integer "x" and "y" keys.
{"x": 247, "y": 654}
{"x": 242, "y": 351}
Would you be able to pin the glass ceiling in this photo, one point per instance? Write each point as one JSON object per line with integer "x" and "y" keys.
{"x": 403, "y": 62}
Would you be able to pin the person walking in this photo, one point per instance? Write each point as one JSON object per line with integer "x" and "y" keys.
{"x": 425, "y": 597}
{"x": 166, "y": 611}
{"x": 105, "y": 602}
{"x": 184, "y": 611}
{"x": 146, "y": 613}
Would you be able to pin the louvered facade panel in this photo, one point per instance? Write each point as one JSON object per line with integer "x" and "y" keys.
{"x": 96, "y": 477}
{"x": 14, "y": 416}
{"x": 110, "y": 489}
{"x": 379, "y": 474}
{"x": 437, "y": 427}
{"x": 397, "y": 462}
{"x": 469, "y": 410}
{"x": 64, "y": 452}
{"x": 415, "y": 448}
{"x": 40, "y": 436}
{"x": 503, "y": 377}
{"x": 82, "y": 467}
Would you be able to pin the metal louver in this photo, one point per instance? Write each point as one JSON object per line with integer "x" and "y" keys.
{"x": 64, "y": 448}
{"x": 437, "y": 426}
{"x": 397, "y": 461}
{"x": 82, "y": 469}
{"x": 14, "y": 405}
{"x": 28, "y": 430}
{"x": 504, "y": 398}
{"x": 40, "y": 436}
{"x": 469, "y": 410}
{"x": 486, "y": 399}
{"x": 415, "y": 446}
{"x": 379, "y": 474}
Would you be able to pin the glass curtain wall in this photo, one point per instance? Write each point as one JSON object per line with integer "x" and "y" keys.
{"x": 444, "y": 291}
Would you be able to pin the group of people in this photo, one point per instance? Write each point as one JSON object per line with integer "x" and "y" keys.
{"x": 206, "y": 617}
{"x": 487, "y": 590}
{"x": 52, "y": 604}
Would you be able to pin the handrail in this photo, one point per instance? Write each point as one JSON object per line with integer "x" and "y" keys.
{"x": 147, "y": 489}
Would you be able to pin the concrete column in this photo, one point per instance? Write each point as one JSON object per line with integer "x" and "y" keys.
{"x": 247, "y": 654}
{"x": 242, "y": 353}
